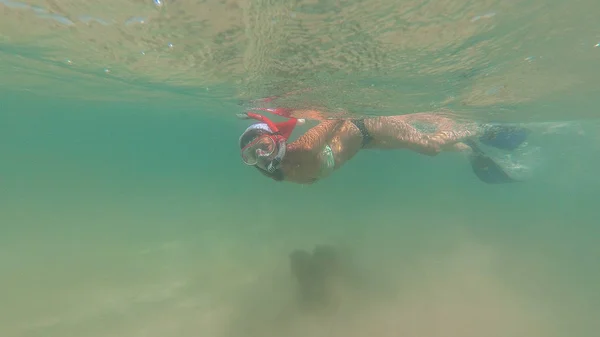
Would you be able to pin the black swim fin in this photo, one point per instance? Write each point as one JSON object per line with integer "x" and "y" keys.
{"x": 485, "y": 168}
{"x": 504, "y": 137}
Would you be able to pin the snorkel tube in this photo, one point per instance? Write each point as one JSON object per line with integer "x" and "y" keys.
{"x": 281, "y": 139}
{"x": 276, "y": 162}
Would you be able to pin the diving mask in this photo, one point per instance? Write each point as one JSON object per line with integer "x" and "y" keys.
{"x": 261, "y": 148}
{"x": 267, "y": 150}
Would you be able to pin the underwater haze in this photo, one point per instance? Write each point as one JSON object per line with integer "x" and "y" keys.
{"x": 125, "y": 209}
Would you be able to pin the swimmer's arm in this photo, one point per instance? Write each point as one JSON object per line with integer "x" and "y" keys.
{"x": 316, "y": 138}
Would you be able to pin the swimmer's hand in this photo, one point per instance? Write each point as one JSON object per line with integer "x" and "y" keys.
{"x": 299, "y": 121}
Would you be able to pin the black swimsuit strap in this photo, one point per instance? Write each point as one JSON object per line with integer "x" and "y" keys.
{"x": 360, "y": 124}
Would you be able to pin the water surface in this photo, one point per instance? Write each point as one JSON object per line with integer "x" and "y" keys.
{"x": 125, "y": 210}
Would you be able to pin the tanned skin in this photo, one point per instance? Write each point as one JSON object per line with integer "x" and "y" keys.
{"x": 303, "y": 158}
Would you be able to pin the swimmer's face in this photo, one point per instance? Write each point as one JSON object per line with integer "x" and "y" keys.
{"x": 259, "y": 151}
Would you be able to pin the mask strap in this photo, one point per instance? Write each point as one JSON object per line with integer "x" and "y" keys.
{"x": 274, "y": 164}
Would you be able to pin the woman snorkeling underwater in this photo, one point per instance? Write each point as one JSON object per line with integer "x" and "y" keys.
{"x": 327, "y": 146}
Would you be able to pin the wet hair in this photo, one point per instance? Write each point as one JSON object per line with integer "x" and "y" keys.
{"x": 249, "y": 137}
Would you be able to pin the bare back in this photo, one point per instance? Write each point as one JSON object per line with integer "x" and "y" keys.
{"x": 307, "y": 156}
{"x": 329, "y": 145}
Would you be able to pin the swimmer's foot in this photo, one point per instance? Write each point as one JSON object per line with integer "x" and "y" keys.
{"x": 504, "y": 137}
{"x": 486, "y": 169}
